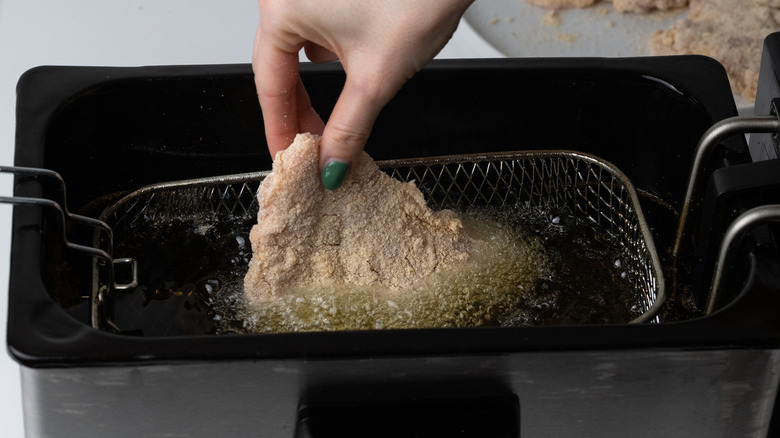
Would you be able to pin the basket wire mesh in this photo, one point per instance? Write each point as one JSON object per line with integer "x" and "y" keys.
{"x": 586, "y": 186}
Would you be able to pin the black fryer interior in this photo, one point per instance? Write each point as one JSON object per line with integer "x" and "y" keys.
{"x": 643, "y": 115}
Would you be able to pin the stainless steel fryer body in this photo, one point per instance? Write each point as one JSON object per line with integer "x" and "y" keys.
{"x": 637, "y": 393}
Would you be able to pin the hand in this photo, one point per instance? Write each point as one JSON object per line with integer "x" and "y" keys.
{"x": 380, "y": 44}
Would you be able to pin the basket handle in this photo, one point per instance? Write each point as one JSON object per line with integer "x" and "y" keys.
{"x": 704, "y": 150}
{"x": 742, "y": 225}
{"x": 60, "y": 199}
{"x": 104, "y": 256}
{"x": 61, "y": 216}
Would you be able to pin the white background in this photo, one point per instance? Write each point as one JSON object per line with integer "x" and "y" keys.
{"x": 118, "y": 33}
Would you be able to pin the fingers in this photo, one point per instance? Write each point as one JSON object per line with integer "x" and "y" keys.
{"x": 276, "y": 79}
{"x": 307, "y": 117}
{"x": 381, "y": 45}
{"x": 283, "y": 99}
{"x": 350, "y": 124}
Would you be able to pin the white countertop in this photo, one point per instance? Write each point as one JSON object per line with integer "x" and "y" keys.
{"x": 119, "y": 33}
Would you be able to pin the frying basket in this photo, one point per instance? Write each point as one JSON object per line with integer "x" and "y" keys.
{"x": 582, "y": 185}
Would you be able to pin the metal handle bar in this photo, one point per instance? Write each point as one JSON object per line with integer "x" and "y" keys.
{"x": 61, "y": 216}
{"x": 743, "y": 224}
{"x": 104, "y": 256}
{"x": 704, "y": 151}
{"x": 60, "y": 184}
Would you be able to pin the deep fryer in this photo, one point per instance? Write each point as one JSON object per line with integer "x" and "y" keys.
{"x": 109, "y": 131}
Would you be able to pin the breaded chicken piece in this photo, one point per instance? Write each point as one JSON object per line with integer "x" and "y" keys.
{"x": 561, "y": 4}
{"x": 644, "y": 6}
{"x": 730, "y": 31}
{"x": 374, "y": 230}
{"x": 638, "y": 6}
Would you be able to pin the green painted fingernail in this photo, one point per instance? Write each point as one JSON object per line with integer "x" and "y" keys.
{"x": 334, "y": 173}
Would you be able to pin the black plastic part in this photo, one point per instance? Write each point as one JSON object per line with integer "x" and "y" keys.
{"x": 765, "y": 146}
{"x": 775, "y": 112}
{"x": 494, "y": 417}
{"x": 731, "y": 191}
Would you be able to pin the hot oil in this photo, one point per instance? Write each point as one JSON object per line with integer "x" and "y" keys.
{"x": 528, "y": 267}
{"x": 184, "y": 263}
{"x": 484, "y": 291}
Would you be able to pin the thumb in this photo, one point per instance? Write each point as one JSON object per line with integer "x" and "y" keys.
{"x": 349, "y": 126}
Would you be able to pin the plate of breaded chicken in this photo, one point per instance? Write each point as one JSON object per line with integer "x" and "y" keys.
{"x": 730, "y": 31}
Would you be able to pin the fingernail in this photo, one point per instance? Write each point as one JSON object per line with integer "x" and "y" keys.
{"x": 334, "y": 173}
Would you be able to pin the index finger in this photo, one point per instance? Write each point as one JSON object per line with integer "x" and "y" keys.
{"x": 276, "y": 77}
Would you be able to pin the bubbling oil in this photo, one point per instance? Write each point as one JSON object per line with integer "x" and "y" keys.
{"x": 528, "y": 267}
{"x": 488, "y": 289}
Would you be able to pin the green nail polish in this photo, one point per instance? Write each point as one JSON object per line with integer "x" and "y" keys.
{"x": 334, "y": 173}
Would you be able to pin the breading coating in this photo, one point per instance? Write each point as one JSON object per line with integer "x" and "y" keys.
{"x": 730, "y": 31}
{"x": 374, "y": 230}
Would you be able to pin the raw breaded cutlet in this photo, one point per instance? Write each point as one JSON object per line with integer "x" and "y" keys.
{"x": 644, "y": 6}
{"x": 638, "y": 6}
{"x": 373, "y": 230}
{"x": 561, "y": 4}
{"x": 730, "y": 31}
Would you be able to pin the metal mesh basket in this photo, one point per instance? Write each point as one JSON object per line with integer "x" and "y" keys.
{"x": 587, "y": 187}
